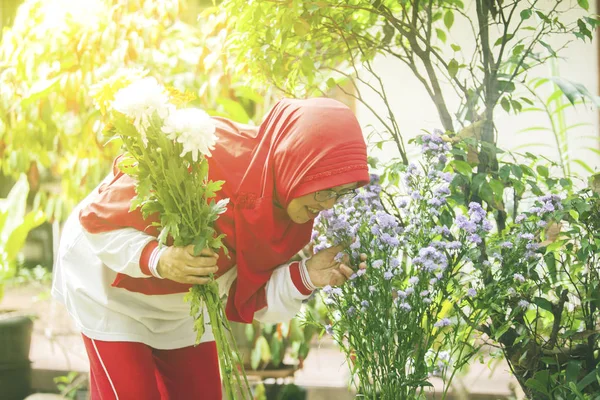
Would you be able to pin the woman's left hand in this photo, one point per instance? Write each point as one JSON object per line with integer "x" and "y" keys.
{"x": 324, "y": 270}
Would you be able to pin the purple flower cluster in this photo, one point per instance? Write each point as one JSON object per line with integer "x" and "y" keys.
{"x": 430, "y": 259}
{"x": 434, "y": 147}
{"x": 475, "y": 223}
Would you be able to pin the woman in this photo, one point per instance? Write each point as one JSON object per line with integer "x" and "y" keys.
{"x": 126, "y": 294}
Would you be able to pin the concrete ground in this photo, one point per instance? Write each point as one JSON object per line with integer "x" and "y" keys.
{"x": 57, "y": 349}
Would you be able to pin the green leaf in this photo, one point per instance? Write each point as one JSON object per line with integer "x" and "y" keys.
{"x": 234, "y": 110}
{"x": 277, "y": 351}
{"x": 584, "y": 4}
{"x": 440, "y": 34}
{"x": 453, "y": 68}
{"x": 543, "y": 303}
{"x": 504, "y": 39}
{"x": 542, "y": 170}
{"x": 249, "y": 332}
{"x": 549, "y": 48}
{"x": 505, "y": 104}
{"x": 574, "y": 91}
{"x": 506, "y": 86}
{"x": 587, "y": 380}
{"x": 40, "y": 89}
{"x": 455, "y": 47}
{"x": 463, "y": 167}
{"x": 539, "y": 382}
{"x": 573, "y": 368}
{"x": 296, "y": 334}
{"x": 498, "y": 188}
{"x": 486, "y": 193}
{"x": 517, "y": 171}
{"x": 574, "y": 214}
{"x": 449, "y": 19}
{"x": 526, "y": 14}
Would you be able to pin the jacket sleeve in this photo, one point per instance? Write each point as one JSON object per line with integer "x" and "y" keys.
{"x": 126, "y": 251}
{"x": 285, "y": 292}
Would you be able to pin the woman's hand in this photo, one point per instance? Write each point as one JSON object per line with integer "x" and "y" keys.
{"x": 324, "y": 270}
{"x": 180, "y": 265}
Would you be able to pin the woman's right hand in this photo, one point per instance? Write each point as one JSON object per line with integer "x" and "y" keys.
{"x": 180, "y": 265}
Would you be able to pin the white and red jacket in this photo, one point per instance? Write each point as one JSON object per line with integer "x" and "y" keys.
{"x": 88, "y": 263}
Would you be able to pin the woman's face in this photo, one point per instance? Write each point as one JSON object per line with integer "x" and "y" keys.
{"x": 305, "y": 208}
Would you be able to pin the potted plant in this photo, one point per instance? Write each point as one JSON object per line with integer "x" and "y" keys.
{"x": 15, "y": 328}
{"x": 273, "y": 351}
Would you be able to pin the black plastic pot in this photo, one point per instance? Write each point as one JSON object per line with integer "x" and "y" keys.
{"x": 15, "y": 366}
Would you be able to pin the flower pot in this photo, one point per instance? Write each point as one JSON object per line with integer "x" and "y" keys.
{"x": 15, "y": 367}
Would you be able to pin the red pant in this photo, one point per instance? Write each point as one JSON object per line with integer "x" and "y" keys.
{"x": 135, "y": 371}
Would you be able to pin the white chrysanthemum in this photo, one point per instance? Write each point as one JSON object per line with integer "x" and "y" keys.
{"x": 194, "y": 129}
{"x": 140, "y": 100}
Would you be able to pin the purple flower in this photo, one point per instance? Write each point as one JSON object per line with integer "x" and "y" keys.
{"x": 506, "y": 245}
{"x": 442, "y": 190}
{"x": 361, "y": 272}
{"x": 377, "y": 263}
{"x": 329, "y": 329}
{"x": 427, "y": 301}
{"x": 520, "y": 218}
{"x": 405, "y": 306}
{"x": 463, "y": 223}
{"x": 409, "y": 291}
{"x": 386, "y": 238}
{"x": 519, "y": 277}
{"x": 424, "y": 293}
{"x": 442, "y": 323}
{"x": 388, "y": 275}
{"x": 327, "y": 289}
{"x": 441, "y": 230}
{"x": 372, "y": 288}
{"x": 446, "y": 176}
{"x": 364, "y": 303}
{"x": 415, "y": 195}
{"x": 532, "y": 246}
{"x": 471, "y": 292}
{"x": 542, "y": 224}
{"x": 351, "y": 311}
{"x": 402, "y": 202}
{"x": 353, "y": 277}
{"x": 455, "y": 245}
{"x": 526, "y": 236}
{"x": 476, "y": 212}
{"x": 523, "y": 304}
{"x": 475, "y": 238}
{"x": 413, "y": 280}
{"x": 402, "y": 294}
{"x": 436, "y": 202}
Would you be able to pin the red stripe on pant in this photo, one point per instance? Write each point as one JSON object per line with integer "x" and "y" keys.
{"x": 135, "y": 371}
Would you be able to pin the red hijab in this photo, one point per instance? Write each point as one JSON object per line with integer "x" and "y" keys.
{"x": 302, "y": 146}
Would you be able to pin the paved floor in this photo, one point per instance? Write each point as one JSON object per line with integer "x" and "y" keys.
{"x": 57, "y": 349}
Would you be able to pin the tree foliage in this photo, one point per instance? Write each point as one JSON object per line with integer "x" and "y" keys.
{"x": 56, "y": 52}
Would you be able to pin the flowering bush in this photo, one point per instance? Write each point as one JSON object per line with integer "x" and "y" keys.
{"x": 436, "y": 280}
{"x": 545, "y": 269}
{"x": 165, "y": 151}
{"x": 394, "y": 318}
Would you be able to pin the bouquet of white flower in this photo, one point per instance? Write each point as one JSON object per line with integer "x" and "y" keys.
{"x": 165, "y": 151}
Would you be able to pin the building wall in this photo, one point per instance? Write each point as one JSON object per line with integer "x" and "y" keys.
{"x": 415, "y": 111}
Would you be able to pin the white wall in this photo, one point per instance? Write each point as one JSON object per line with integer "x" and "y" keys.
{"x": 415, "y": 111}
